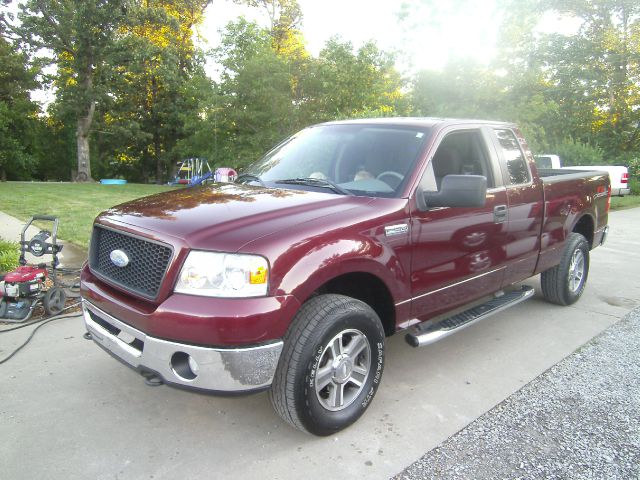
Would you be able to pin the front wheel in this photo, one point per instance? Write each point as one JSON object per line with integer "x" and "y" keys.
{"x": 331, "y": 365}
{"x": 564, "y": 283}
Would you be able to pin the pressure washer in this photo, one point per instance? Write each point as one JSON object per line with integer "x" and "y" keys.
{"x": 29, "y": 286}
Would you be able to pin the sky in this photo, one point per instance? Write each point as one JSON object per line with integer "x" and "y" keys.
{"x": 426, "y": 39}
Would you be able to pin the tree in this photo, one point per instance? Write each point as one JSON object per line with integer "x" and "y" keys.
{"x": 267, "y": 92}
{"x": 80, "y": 35}
{"x": 576, "y": 88}
{"x": 256, "y": 102}
{"x": 18, "y": 114}
{"x": 285, "y": 18}
{"x": 152, "y": 80}
{"x": 588, "y": 80}
{"x": 524, "y": 88}
{"x": 462, "y": 89}
{"x": 255, "y": 106}
{"x": 596, "y": 72}
{"x": 348, "y": 84}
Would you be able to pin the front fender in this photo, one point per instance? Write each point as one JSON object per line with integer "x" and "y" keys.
{"x": 319, "y": 264}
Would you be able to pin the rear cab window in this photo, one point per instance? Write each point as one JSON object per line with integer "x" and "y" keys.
{"x": 517, "y": 167}
{"x": 543, "y": 161}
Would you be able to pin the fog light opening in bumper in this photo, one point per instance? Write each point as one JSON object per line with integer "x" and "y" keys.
{"x": 184, "y": 366}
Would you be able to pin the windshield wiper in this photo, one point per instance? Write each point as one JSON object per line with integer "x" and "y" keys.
{"x": 251, "y": 178}
{"x": 316, "y": 182}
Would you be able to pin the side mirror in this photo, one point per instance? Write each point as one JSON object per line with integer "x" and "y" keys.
{"x": 468, "y": 191}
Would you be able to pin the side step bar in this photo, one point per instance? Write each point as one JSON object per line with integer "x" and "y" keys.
{"x": 429, "y": 332}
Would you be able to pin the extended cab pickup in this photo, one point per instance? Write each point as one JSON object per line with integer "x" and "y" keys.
{"x": 345, "y": 233}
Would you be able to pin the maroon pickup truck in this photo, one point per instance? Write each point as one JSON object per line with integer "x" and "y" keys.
{"x": 290, "y": 278}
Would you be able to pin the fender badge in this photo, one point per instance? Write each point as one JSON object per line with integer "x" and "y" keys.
{"x": 396, "y": 229}
{"x": 119, "y": 258}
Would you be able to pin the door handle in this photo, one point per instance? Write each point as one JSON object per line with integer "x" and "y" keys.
{"x": 500, "y": 214}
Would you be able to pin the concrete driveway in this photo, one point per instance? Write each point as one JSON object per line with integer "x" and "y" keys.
{"x": 69, "y": 411}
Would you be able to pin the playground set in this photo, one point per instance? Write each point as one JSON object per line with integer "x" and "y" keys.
{"x": 195, "y": 171}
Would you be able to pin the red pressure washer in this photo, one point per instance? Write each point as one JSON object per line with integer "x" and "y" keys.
{"x": 22, "y": 290}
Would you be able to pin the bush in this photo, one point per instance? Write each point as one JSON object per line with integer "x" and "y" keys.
{"x": 634, "y": 166}
{"x": 579, "y": 154}
{"x": 9, "y": 254}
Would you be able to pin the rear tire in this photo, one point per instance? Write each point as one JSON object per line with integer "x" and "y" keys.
{"x": 564, "y": 283}
{"x": 331, "y": 365}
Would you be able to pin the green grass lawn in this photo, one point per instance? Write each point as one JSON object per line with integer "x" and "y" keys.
{"x": 620, "y": 203}
{"x": 75, "y": 204}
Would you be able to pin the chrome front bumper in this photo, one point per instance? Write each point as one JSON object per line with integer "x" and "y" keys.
{"x": 203, "y": 368}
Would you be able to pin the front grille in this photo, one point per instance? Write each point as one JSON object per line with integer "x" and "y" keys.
{"x": 148, "y": 261}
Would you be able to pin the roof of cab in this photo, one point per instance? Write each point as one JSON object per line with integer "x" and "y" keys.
{"x": 418, "y": 122}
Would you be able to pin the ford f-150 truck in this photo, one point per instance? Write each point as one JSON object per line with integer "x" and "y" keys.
{"x": 345, "y": 233}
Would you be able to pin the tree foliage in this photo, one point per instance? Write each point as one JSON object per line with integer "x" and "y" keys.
{"x": 595, "y": 74}
{"x": 18, "y": 114}
{"x": 254, "y": 97}
{"x": 79, "y": 34}
{"x": 132, "y": 97}
{"x": 156, "y": 65}
{"x": 580, "y": 88}
{"x": 348, "y": 83}
{"x": 266, "y": 92}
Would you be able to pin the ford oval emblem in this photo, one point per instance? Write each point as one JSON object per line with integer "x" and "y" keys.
{"x": 119, "y": 258}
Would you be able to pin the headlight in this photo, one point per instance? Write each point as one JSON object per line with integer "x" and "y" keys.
{"x": 223, "y": 275}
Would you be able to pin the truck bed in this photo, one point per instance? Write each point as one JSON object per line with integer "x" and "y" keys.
{"x": 552, "y": 175}
{"x": 568, "y": 195}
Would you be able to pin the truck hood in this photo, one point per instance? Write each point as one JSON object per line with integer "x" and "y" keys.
{"x": 226, "y": 217}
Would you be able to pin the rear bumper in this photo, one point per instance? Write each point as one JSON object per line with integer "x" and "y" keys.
{"x": 231, "y": 370}
{"x": 620, "y": 192}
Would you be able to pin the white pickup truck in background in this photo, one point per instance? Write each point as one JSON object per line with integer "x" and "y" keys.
{"x": 618, "y": 174}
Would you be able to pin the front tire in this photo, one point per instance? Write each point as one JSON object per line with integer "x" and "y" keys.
{"x": 331, "y": 365}
{"x": 564, "y": 283}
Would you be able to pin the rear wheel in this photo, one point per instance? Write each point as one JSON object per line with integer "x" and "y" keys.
{"x": 564, "y": 283}
{"x": 331, "y": 365}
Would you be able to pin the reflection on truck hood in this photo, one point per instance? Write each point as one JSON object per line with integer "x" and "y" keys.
{"x": 226, "y": 217}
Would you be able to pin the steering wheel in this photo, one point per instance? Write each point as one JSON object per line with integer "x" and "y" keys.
{"x": 390, "y": 173}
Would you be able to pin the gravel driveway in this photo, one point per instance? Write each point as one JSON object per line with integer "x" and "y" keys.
{"x": 578, "y": 420}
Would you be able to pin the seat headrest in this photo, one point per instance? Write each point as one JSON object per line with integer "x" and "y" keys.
{"x": 446, "y": 161}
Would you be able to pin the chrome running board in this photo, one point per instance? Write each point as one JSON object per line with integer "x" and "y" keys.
{"x": 429, "y": 332}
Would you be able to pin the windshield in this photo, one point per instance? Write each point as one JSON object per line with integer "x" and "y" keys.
{"x": 372, "y": 160}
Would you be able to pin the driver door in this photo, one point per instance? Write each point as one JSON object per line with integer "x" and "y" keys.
{"x": 458, "y": 253}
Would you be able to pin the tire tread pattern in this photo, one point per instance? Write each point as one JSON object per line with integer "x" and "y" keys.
{"x": 307, "y": 320}
{"x": 554, "y": 280}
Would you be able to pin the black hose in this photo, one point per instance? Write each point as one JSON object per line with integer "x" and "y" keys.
{"x": 68, "y": 269}
{"x": 40, "y": 319}
{"x": 43, "y": 323}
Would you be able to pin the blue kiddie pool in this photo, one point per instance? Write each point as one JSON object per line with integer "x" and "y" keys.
{"x": 112, "y": 181}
